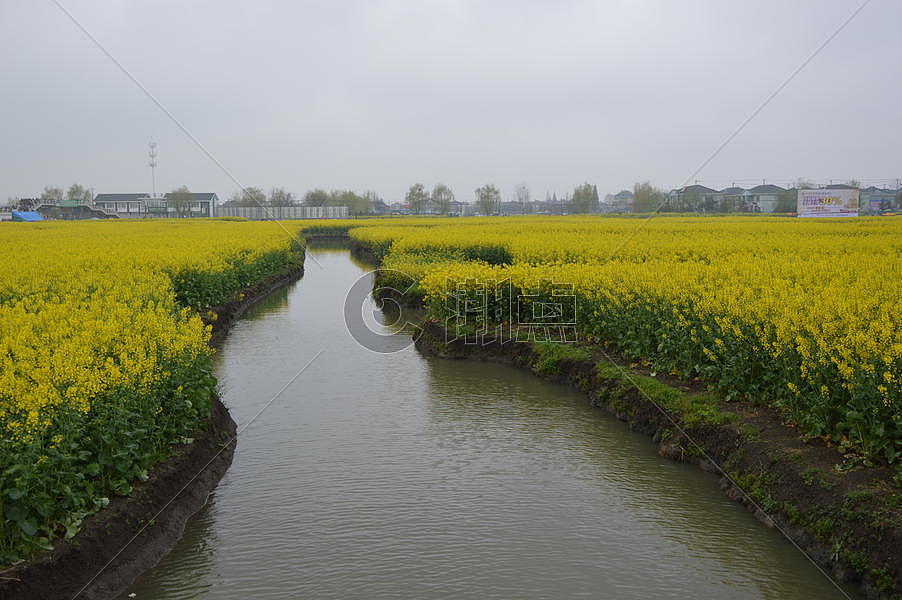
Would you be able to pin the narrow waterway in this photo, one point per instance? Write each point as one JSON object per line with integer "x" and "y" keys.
{"x": 405, "y": 476}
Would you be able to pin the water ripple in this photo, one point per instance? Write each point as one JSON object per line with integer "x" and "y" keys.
{"x": 403, "y": 476}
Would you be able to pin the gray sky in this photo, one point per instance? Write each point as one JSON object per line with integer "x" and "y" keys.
{"x": 381, "y": 94}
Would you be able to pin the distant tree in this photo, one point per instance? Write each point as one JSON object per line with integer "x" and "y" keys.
{"x": 281, "y": 197}
{"x": 523, "y": 197}
{"x": 360, "y": 205}
{"x": 804, "y": 184}
{"x": 316, "y": 197}
{"x": 417, "y": 198}
{"x": 250, "y": 196}
{"x": 356, "y": 204}
{"x": 585, "y": 198}
{"x": 375, "y": 202}
{"x": 488, "y": 199}
{"x": 854, "y": 183}
{"x": 52, "y": 194}
{"x": 646, "y": 197}
{"x": 253, "y": 196}
{"x": 179, "y": 200}
{"x": 442, "y": 197}
{"x": 77, "y": 193}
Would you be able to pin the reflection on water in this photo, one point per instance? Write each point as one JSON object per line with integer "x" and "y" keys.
{"x": 273, "y": 302}
{"x": 406, "y": 476}
{"x": 338, "y": 246}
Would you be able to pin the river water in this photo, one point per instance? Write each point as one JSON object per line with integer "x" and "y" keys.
{"x": 406, "y": 476}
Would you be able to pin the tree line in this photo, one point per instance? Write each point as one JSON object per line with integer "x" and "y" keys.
{"x": 488, "y": 201}
{"x": 438, "y": 201}
{"x": 75, "y": 193}
{"x": 357, "y": 204}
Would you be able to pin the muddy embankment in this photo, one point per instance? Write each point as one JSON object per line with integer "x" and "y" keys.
{"x": 132, "y": 533}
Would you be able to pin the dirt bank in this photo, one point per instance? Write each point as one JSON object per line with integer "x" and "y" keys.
{"x": 362, "y": 251}
{"x": 849, "y": 522}
{"x": 132, "y": 533}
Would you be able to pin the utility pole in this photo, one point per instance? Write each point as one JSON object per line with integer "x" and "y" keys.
{"x": 153, "y": 168}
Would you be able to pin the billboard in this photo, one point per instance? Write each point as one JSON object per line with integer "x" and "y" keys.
{"x": 828, "y": 203}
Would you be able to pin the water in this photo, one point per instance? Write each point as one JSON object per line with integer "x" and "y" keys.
{"x": 406, "y": 476}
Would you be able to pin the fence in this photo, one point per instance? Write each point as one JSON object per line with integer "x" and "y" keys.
{"x": 278, "y": 213}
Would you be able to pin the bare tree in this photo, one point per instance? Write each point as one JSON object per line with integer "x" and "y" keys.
{"x": 646, "y": 197}
{"x": 442, "y": 197}
{"x": 78, "y": 194}
{"x": 281, "y": 197}
{"x": 52, "y": 194}
{"x": 522, "y": 197}
{"x": 488, "y": 199}
{"x": 417, "y": 198}
{"x": 374, "y": 202}
{"x": 317, "y": 197}
{"x": 179, "y": 200}
{"x": 249, "y": 196}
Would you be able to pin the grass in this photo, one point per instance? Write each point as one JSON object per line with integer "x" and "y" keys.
{"x": 550, "y": 355}
{"x": 694, "y": 408}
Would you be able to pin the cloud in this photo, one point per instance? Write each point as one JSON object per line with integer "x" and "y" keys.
{"x": 378, "y": 95}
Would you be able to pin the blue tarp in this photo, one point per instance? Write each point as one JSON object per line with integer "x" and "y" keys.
{"x": 27, "y": 215}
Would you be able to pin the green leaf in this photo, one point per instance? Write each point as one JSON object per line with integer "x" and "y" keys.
{"x": 28, "y": 527}
{"x": 14, "y": 469}
{"x": 16, "y": 512}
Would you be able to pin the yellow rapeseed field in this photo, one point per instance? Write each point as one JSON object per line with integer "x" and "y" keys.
{"x": 800, "y": 314}
{"x": 103, "y": 362}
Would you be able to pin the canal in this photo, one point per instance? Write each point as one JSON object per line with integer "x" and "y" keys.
{"x": 406, "y": 476}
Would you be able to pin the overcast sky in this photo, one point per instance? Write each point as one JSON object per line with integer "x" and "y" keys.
{"x": 381, "y": 94}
